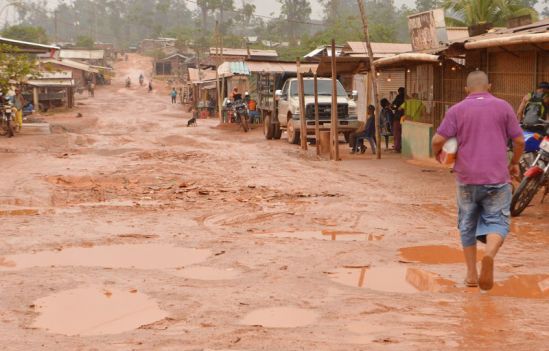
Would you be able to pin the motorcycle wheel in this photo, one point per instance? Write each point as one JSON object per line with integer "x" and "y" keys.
{"x": 524, "y": 194}
{"x": 11, "y": 129}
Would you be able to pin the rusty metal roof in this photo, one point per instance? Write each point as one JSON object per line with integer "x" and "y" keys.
{"x": 244, "y": 52}
{"x": 82, "y": 54}
{"x": 205, "y": 74}
{"x": 358, "y": 49}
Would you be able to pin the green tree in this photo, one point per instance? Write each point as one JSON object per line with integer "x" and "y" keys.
{"x": 16, "y": 66}
{"x": 497, "y": 12}
{"x": 26, "y": 33}
{"x": 85, "y": 42}
{"x": 295, "y": 12}
{"x": 427, "y": 5}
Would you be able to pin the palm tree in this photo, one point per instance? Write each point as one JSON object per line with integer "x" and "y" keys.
{"x": 497, "y": 12}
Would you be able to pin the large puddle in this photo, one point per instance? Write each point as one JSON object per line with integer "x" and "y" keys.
{"x": 326, "y": 235}
{"x": 280, "y": 317}
{"x": 523, "y": 286}
{"x": 395, "y": 279}
{"x": 95, "y": 311}
{"x": 433, "y": 254}
{"x": 145, "y": 256}
{"x": 207, "y": 273}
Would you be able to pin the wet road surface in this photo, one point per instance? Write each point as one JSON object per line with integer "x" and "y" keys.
{"x": 126, "y": 230}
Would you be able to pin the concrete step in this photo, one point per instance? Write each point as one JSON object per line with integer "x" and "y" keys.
{"x": 36, "y": 129}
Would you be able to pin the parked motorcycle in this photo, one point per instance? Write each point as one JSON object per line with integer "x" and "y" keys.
{"x": 7, "y": 123}
{"x": 535, "y": 178}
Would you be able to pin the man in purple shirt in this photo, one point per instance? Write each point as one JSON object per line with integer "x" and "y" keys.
{"x": 482, "y": 125}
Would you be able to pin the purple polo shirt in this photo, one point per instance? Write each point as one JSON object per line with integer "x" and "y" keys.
{"x": 483, "y": 125}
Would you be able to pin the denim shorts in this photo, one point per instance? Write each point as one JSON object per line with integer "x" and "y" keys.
{"x": 483, "y": 209}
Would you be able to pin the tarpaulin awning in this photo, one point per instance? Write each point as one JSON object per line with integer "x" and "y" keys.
{"x": 344, "y": 64}
{"x": 407, "y": 58}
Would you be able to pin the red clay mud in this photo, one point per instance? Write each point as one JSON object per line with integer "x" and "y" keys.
{"x": 146, "y": 256}
{"x": 95, "y": 311}
{"x": 434, "y": 254}
{"x": 281, "y": 317}
{"x": 120, "y": 197}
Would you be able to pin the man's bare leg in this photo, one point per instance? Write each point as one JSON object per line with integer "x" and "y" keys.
{"x": 470, "y": 253}
{"x": 493, "y": 243}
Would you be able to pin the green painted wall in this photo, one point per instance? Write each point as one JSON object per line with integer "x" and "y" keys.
{"x": 416, "y": 139}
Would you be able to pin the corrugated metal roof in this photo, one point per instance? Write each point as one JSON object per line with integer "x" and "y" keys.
{"x": 357, "y": 47}
{"x": 51, "y": 82}
{"x": 204, "y": 75}
{"x": 56, "y": 75}
{"x": 244, "y": 52}
{"x": 82, "y": 54}
{"x": 71, "y": 64}
{"x": 28, "y": 44}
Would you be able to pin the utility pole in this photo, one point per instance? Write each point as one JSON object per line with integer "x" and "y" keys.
{"x": 55, "y": 26}
{"x": 334, "y": 132}
{"x": 217, "y": 82}
{"x": 373, "y": 73}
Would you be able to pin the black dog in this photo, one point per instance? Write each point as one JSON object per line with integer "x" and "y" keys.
{"x": 191, "y": 122}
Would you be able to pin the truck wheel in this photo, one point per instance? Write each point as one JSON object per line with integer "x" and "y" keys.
{"x": 293, "y": 134}
{"x": 268, "y": 127}
{"x": 277, "y": 131}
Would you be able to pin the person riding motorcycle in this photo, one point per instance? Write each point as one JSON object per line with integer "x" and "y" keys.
{"x": 141, "y": 79}
{"x": 128, "y": 82}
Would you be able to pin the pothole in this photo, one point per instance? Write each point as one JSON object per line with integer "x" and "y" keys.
{"x": 395, "y": 279}
{"x": 144, "y": 256}
{"x": 433, "y": 254}
{"x": 207, "y": 273}
{"x": 281, "y": 317}
{"x": 95, "y": 311}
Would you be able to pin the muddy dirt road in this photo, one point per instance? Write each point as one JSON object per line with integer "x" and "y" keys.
{"x": 126, "y": 230}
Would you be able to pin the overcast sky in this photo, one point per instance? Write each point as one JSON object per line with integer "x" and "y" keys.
{"x": 264, "y": 7}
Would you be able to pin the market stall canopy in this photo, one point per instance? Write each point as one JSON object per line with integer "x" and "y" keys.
{"x": 347, "y": 65}
{"x": 380, "y": 50}
{"x": 196, "y": 76}
{"x": 246, "y": 68}
{"x": 249, "y": 53}
{"x": 70, "y": 64}
{"x": 50, "y": 83}
{"x": 409, "y": 58}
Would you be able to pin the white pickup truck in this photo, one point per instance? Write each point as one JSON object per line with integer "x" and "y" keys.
{"x": 288, "y": 114}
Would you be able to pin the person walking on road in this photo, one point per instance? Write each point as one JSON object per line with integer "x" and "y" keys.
{"x": 482, "y": 125}
{"x": 150, "y": 86}
{"x": 173, "y": 94}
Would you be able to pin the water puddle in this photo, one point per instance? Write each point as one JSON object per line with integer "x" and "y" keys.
{"x": 95, "y": 311}
{"x": 280, "y": 317}
{"x": 207, "y": 273}
{"x": 144, "y": 256}
{"x": 434, "y": 254}
{"x": 19, "y": 212}
{"x": 523, "y": 286}
{"x": 395, "y": 279}
{"x": 326, "y": 235}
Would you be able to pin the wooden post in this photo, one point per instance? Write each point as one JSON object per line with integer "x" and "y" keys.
{"x": 317, "y": 124}
{"x": 373, "y": 71}
{"x": 302, "y": 117}
{"x": 35, "y": 99}
{"x": 217, "y": 82}
{"x": 334, "y": 153}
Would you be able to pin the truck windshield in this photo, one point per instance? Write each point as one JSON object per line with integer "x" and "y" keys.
{"x": 324, "y": 88}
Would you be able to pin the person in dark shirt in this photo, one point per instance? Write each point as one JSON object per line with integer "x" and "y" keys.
{"x": 368, "y": 133}
{"x": 386, "y": 118}
{"x": 397, "y": 128}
